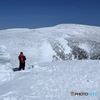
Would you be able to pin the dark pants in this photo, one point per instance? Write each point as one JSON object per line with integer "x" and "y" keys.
{"x": 22, "y": 66}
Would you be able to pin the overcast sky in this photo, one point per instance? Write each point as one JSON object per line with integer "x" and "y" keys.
{"x": 44, "y": 13}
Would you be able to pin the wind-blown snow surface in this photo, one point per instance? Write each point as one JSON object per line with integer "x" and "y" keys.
{"x": 54, "y": 81}
{"x": 50, "y": 80}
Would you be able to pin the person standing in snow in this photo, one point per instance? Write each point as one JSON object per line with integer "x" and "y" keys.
{"x": 22, "y": 59}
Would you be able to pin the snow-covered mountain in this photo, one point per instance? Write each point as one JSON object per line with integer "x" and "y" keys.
{"x": 66, "y": 43}
{"x": 42, "y": 44}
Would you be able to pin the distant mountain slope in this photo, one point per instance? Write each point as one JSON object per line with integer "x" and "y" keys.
{"x": 44, "y": 43}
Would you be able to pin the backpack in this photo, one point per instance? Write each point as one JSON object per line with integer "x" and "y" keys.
{"x": 21, "y": 58}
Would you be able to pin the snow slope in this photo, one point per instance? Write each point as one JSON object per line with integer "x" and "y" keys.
{"x": 30, "y": 42}
{"x": 58, "y": 40}
{"x": 54, "y": 81}
{"x": 49, "y": 80}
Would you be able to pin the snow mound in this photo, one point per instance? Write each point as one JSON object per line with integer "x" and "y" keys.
{"x": 5, "y": 66}
{"x": 4, "y": 57}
